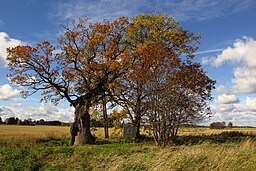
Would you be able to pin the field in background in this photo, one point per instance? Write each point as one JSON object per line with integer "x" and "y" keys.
{"x": 207, "y": 131}
{"x": 63, "y": 131}
{"x": 47, "y": 148}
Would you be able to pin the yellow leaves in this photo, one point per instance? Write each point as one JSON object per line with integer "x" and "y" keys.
{"x": 113, "y": 65}
{"x": 118, "y": 115}
{"x": 107, "y": 55}
{"x": 175, "y": 25}
{"x": 45, "y": 43}
{"x": 111, "y": 85}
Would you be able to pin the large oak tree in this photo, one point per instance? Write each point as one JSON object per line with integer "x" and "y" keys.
{"x": 83, "y": 66}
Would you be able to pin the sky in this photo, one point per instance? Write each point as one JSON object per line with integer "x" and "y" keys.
{"x": 227, "y": 49}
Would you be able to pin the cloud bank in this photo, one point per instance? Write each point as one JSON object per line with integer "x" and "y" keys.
{"x": 243, "y": 55}
{"x": 227, "y": 99}
{"x": 240, "y": 114}
{"x": 44, "y": 111}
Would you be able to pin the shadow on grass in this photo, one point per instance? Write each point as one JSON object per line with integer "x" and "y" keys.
{"x": 224, "y": 137}
{"x": 100, "y": 141}
{"x": 121, "y": 140}
{"x": 53, "y": 141}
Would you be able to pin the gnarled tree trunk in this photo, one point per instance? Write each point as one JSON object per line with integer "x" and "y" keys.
{"x": 80, "y": 129}
{"x": 105, "y": 115}
{"x": 138, "y": 112}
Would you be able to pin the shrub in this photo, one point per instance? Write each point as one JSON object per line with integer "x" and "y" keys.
{"x": 230, "y": 125}
{"x": 11, "y": 120}
{"x": 217, "y": 125}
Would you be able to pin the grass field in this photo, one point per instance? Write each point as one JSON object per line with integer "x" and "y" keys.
{"x": 46, "y": 148}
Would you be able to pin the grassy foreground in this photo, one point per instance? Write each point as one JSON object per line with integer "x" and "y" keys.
{"x": 46, "y": 148}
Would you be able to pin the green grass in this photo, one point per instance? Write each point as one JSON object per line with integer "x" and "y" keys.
{"x": 226, "y": 151}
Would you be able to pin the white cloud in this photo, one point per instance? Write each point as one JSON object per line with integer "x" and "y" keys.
{"x": 192, "y": 10}
{"x": 6, "y": 112}
{"x": 244, "y": 80}
{"x": 224, "y": 108}
{"x": 243, "y": 54}
{"x": 227, "y": 99}
{"x": 243, "y": 50}
{"x": 47, "y": 109}
{"x": 250, "y": 104}
{"x": 6, "y": 42}
{"x": 221, "y": 89}
{"x": 7, "y": 92}
{"x": 16, "y": 103}
{"x": 207, "y": 60}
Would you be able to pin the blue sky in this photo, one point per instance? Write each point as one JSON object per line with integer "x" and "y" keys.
{"x": 227, "y": 51}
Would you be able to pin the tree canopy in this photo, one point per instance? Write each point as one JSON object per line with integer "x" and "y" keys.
{"x": 90, "y": 58}
{"x": 143, "y": 64}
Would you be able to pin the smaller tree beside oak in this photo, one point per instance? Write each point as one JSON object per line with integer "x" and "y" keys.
{"x": 180, "y": 97}
{"x": 151, "y": 39}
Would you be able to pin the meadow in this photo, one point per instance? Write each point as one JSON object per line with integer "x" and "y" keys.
{"x": 47, "y": 148}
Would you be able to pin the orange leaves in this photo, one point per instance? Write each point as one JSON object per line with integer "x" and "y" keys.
{"x": 45, "y": 44}
{"x": 18, "y": 79}
{"x": 113, "y": 65}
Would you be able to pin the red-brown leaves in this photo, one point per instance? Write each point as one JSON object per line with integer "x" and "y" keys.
{"x": 90, "y": 58}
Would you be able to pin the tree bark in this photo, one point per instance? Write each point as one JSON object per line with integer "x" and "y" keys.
{"x": 138, "y": 112}
{"x": 80, "y": 129}
{"x": 105, "y": 115}
{"x": 137, "y": 124}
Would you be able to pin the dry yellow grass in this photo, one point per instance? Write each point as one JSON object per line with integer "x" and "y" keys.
{"x": 41, "y": 131}
{"x": 32, "y": 130}
{"x": 207, "y": 131}
{"x": 17, "y": 131}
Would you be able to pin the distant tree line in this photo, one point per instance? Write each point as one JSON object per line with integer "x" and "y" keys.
{"x": 17, "y": 121}
{"x": 114, "y": 120}
{"x": 220, "y": 125}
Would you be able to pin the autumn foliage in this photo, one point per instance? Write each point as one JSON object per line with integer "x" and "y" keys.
{"x": 143, "y": 64}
